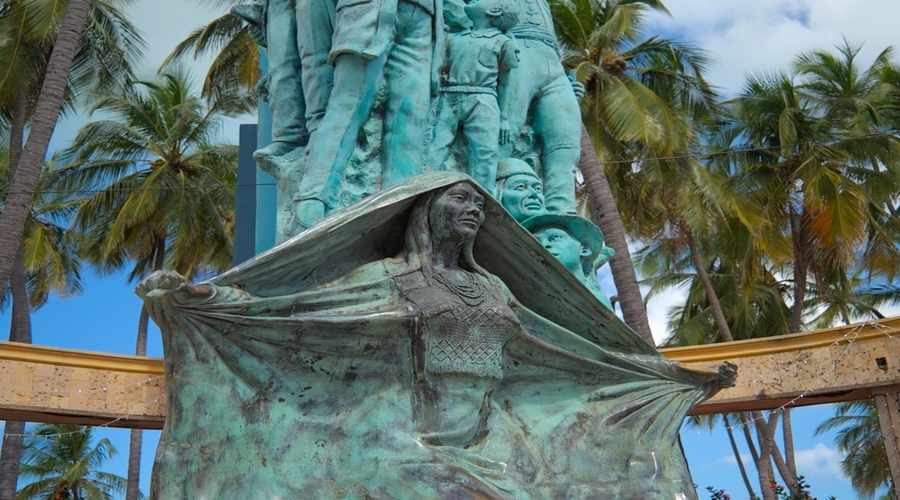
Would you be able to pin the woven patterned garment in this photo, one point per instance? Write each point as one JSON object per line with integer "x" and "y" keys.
{"x": 461, "y": 338}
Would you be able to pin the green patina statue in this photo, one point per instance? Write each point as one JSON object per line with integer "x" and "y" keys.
{"x": 577, "y": 243}
{"x": 401, "y": 349}
{"x": 408, "y": 337}
{"x": 358, "y": 100}
{"x": 474, "y": 101}
{"x": 519, "y": 189}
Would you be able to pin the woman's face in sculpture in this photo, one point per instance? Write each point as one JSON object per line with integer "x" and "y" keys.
{"x": 523, "y": 196}
{"x": 457, "y": 213}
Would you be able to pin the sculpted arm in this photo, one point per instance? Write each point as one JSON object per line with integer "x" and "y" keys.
{"x": 508, "y": 60}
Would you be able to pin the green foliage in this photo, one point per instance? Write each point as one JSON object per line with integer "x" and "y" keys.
{"x": 61, "y": 461}
{"x": 235, "y": 68}
{"x": 859, "y": 438}
{"x": 104, "y": 60}
{"x": 157, "y": 185}
{"x": 801, "y": 492}
{"x": 50, "y": 248}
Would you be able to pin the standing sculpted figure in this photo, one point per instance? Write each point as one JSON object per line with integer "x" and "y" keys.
{"x": 473, "y": 100}
{"x": 546, "y": 101}
{"x": 374, "y": 41}
{"x": 273, "y": 26}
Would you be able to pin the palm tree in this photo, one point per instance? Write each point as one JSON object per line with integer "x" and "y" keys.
{"x": 866, "y": 462}
{"x": 46, "y": 263}
{"x": 235, "y": 68}
{"x": 47, "y": 109}
{"x": 640, "y": 96}
{"x": 36, "y": 41}
{"x": 811, "y": 146}
{"x": 62, "y": 462}
{"x": 161, "y": 190}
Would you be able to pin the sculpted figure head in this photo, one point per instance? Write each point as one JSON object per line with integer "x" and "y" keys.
{"x": 519, "y": 189}
{"x": 501, "y": 14}
{"x": 577, "y": 243}
{"x": 456, "y": 214}
{"x": 573, "y": 240}
{"x": 442, "y": 228}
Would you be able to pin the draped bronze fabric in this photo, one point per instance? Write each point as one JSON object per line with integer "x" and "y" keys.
{"x": 300, "y": 378}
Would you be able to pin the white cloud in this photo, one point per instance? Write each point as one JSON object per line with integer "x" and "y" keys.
{"x": 819, "y": 461}
{"x": 745, "y": 36}
{"x": 746, "y": 459}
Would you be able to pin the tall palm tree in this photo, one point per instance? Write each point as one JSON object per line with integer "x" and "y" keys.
{"x": 640, "y": 95}
{"x": 161, "y": 190}
{"x": 62, "y": 462}
{"x": 36, "y": 56}
{"x": 808, "y": 176}
{"x": 859, "y": 438}
{"x": 47, "y": 109}
{"x": 46, "y": 263}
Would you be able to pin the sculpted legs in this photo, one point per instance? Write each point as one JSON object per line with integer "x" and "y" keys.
{"x": 557, "y": 120}
{"x": 539, "y": 86}
{"x": 406, "y": 67}
{"x": 356, "y": 82}
{"x": 479, "y": 115}
{"x": 408, "y": 78}
{"x": 286, "y": 99}
{"x": 315, "y": 19}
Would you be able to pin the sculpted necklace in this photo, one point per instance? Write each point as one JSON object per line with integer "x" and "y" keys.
{"x": 472, "y": 294}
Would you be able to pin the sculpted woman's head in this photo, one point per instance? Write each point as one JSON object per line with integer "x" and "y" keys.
{"x": 456, "y": 214}
{"x": 445, "y": 218}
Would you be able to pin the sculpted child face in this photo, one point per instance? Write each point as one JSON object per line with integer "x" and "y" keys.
{"x": 457, "y": 214}
{"x": 565, "y": 247}
{"x": 523, "y": 196}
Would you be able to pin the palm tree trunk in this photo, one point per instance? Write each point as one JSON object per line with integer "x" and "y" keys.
{"x": 10, "y": 456}
{"x": 603, "y": 214}
{"x": 798, "y": 237}
{"x": 790, "y": 480}
{"x": 132, "y": 491}
{"x": 20, "y": 331}
{"x": 764, "y": 458}
{"x": 788, "y": 433}
{"x": 763, "y": 467}
{"x": 28, "y": 171}
{"x": 737, "y": 456}
{"x": 20, "y": 328}
{"x": 718, "y": 314}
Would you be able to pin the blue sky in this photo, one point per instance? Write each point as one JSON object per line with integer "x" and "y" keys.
{"x": 743, "y": 36}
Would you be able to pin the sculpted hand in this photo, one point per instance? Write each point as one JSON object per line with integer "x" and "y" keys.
{"x": 579, "y": 90}
{"x": 577, "y": 86}
{"x": 160, "y": 284}
{"x": 606, "y": 253}
{"x": 727, "y": 374}
{"x": 505, "y": 132}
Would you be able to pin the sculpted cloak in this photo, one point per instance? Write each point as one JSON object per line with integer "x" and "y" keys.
{"x": 304, "y": 373}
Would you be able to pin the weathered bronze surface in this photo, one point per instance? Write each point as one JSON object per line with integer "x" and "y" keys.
{"x": 420, "y": 344}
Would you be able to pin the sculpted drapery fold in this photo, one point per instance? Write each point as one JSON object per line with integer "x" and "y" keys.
{"x": 371, "y": 372}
